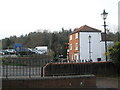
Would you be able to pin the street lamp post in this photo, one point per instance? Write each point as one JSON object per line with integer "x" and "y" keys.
{"x": 104, "y": 16}
{"x": 89, "y": 47}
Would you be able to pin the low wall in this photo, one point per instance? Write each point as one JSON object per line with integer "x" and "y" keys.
{"x": 78, "y": 81}
{"x": 96, "y": 68}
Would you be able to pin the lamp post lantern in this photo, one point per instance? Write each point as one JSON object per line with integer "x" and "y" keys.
{"x": 104, "y": 16}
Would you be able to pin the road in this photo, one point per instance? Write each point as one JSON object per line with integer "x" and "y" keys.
{"x": 107, "y": 82}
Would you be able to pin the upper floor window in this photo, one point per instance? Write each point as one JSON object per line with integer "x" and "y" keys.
{"x": 70, "y": 37}
{"x": 76, "y": 46}
{"x": 70, "y": 46}
{"x": 76, "y": 35}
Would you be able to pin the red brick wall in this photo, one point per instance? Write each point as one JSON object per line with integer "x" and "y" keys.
{"x": 73, "y": 42}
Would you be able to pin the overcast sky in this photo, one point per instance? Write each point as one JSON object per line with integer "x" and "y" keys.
{"x": 19, "y": 17}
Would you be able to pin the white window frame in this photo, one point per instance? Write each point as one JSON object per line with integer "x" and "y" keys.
{"x": 70, "y": 37}
{"x": 76, "y": 35}
{"x": 70, "y": 46}
{"x": 76, "y": 46}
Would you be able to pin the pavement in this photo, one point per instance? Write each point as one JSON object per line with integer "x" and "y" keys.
{"x": 108, "y": 82}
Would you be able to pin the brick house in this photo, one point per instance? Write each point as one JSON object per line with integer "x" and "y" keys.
{"x": 86, "y": 44}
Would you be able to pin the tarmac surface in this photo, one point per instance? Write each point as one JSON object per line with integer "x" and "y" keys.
{"x": 108, "y": 82}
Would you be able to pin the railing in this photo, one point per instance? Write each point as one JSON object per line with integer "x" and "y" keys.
{"x": 23, "y": 66}
{"x": 42, "y": 66}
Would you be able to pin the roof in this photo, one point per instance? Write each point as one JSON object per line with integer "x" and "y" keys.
{"x": 85, "y": 28}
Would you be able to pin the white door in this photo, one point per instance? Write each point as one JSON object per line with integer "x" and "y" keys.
{"x": 76, "y": 57}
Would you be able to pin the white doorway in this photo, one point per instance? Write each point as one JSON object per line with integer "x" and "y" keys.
{"x": 76, "y": 58}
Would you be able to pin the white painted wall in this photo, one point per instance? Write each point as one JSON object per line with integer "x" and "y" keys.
{"x": 95, "y": 45}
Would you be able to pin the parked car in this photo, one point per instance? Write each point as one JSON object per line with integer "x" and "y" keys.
{"x": 60, "y": 58}
{"x": 41, "y": 49}
{"x": 26, "y": 51}
{"x": 3, "y": 52}
{"x": 11, "y": 51}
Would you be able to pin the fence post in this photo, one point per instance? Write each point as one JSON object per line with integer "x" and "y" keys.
{"x": 42, "y": 71}
{"x": 29, "y": 68}
{"x": 6, "y": 71}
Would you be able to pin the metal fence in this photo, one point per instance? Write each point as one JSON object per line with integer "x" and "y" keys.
{"x": 42, "y": 66}
{"x": 23, "y": 66}
{"x": 37, "y": 66}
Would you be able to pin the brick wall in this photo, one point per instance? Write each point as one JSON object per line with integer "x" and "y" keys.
{"x": 73, "y": 42}
{"x": 96, "y": 68}
{"x": 81, "y": 81}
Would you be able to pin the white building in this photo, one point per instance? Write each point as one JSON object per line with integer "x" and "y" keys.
{"x": 90, "y": 47}
{"x": 87, "y": 46}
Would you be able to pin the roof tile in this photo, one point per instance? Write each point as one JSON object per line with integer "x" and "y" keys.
{"x": 86, "y": 28}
